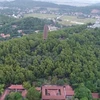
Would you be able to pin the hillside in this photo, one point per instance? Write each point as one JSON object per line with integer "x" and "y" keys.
{"x": 67, "y": 56}
{"x": 5, "y": 20}
{"x": 23, "y": 26}
{"x": 14, "y": 7}
{"x": 27, "y": 4}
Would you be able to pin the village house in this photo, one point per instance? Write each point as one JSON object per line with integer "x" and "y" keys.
{"x": 4, "y": 35}
{"x": 18, "y": 88}
{"x": 14, "y": 26}
{"x": 20, "y": 31}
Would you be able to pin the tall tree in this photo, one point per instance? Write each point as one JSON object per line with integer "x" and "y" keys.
{"x": 83, "y": 93}
{"x": 33, "y": 94}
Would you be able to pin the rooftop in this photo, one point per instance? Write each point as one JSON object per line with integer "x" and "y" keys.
{"x": 53, "y": 92}
{"x": 16, "y": 87}
{"x": 69, "y": 90}
{"x": 95, "y": 95}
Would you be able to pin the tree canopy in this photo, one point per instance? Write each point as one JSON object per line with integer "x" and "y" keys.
{"x": 33, "y": 94}
{"x": 83, "y": 93}
{"x": 18, "y": 27}
{"x": 14, "y": 96}
{"x": 72, "y": 54}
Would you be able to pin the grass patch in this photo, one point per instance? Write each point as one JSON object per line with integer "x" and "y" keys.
{"x": 66, "y": 20}
{"x": 38, "y": 15}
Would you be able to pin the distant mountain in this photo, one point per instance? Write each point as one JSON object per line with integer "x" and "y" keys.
{"x": 13, "y": 7}
{"x": 27, "y": 3}
{"x": 97, "y": 4}
{"x": 72, "y": 2}
{"x": 47, "y": 3}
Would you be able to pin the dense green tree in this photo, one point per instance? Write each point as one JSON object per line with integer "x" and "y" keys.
{"x": 1, "y": 88}
{"x": 14, "y": 96}
{"x": 33, "y": 94}
{"x": 26, "y": 85}
{"x": 83, "y": 93}
{"x": 60, "y": 82}
{"x": 66, "y": 54}
{"x": 28, "y": 25}
{"x": 85, "y": 98}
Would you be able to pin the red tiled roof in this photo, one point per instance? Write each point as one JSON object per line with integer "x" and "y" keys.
{"x": 13, "y": 87}
{"x": 53, "y": 92}
{"x": 69, "y": 90}
{"x": 16, "y": 87}
{"x": 95, "y": 95}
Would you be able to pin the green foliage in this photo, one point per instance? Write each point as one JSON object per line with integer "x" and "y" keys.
{"x": 33, "y": 94}
{"x": 83, "y": 93}
{"x": 24, "y": 25}
{"x": 14, "y": 96}
{"x": 26, "y": 85}
{"x": 5, "y": 20}
{"x": 66, "y": 54}
{"x": 1, "y": 88}
{"x": 60, "y": 82}
{"x": 85, "y": 98}
{"x": 54, "y": 80}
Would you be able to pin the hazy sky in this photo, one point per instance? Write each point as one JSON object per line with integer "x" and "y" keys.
{"x": 6, "y": 0}
{"x": 72, "y": 0}
{"x": 66, "y": 0}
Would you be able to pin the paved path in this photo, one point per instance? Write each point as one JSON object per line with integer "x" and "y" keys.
{"x": 6, "y": 92}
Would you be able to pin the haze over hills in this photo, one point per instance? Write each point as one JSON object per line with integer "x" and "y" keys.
{"x": 46, "y": 3}
{"x": 73, "y": 2}
{"x": 68, "y": 2}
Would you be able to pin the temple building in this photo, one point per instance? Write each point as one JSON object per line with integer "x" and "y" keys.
{"x": 14, "y": 88}
{"x": 53, "y": 92}
{"x": 45, "y": 33}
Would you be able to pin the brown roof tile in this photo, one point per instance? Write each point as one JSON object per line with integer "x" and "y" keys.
{"x": 95, "y": 95}
{"x": 53, "y": 92}
{"x": 69, "y": 90}
{"x": 16, "y": 87}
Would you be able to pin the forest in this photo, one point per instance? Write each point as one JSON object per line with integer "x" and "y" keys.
{"x": 6, "y": 19}
{"x": 68, "y": 56}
